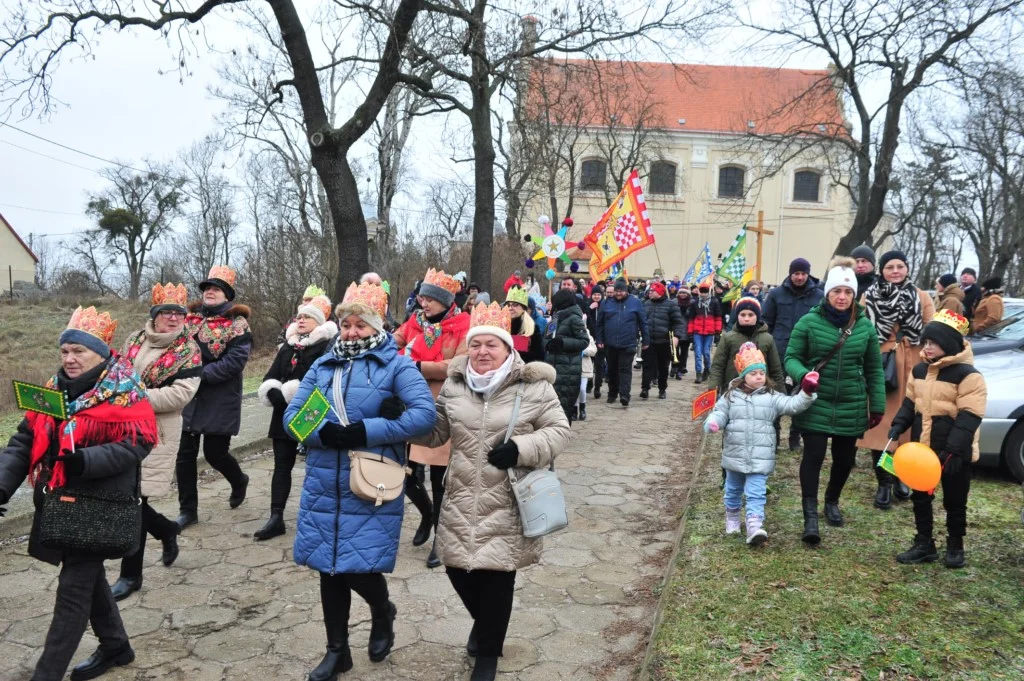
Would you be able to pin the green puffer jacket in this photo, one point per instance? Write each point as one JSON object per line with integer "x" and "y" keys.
{"x": 723, "y": 367}
{"x": 852, "y": 384}
{"x": 568, "y": 325}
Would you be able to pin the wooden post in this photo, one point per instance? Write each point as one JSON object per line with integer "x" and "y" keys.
{"x": 759, "y": 230}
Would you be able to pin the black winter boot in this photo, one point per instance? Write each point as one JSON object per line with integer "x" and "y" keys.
{"x": 170, "y": 552}
{"x": 272, "y": 528}
{"x": 644, "y": 394}
{"x": 382, "y": 631}
{"x": 417, "y": 494}
{"x": 485, "y": 669}
{"x": 338, "y": 658}
{"x": 472, "y": 642}
{"x": 955, "y": 552}
{"x": 583, "y": 412}
{"x": 883, "y": 497}
{"x": 811, "y": 536}
{"x": 833, "y": 516}
{"x": 900, "y": 491}
{"x": 238, "y": 493}
{"x": 921, "y": 551}
{"x": 574, "y": 415}
{"x": 432, "y": 560}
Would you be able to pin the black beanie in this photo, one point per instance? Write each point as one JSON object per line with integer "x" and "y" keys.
{"x": 751, "y": 304}
{"x": 864, "y": 251}
{"x": 970, "y": 271}
{"x": 945, "y": 336}
{"x": 799, "y": 265}
{"x": 947, "y": 280}
{"x": 893, "y": 255}
{"x": 621, "y": 285}
{"x": 992, "y": 283}
{"x": 563, "y": 299}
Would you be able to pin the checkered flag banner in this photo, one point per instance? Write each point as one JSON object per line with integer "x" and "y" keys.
{"x": 735, "y": 262}
{"x": 623, "y": 229}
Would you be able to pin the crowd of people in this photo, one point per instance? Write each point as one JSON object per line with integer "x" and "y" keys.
{"x": 470, "y": 393}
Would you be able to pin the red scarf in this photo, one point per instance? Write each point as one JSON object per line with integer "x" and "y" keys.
{"x": 454, "y": 327}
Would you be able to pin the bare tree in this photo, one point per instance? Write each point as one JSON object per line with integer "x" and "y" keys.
{"x": 907, "y": 46}
{"x": 36, "y": 37}
{"x": 211, "y": 221}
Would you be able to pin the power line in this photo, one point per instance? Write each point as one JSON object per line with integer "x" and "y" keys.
{"x": 40, "y": 210}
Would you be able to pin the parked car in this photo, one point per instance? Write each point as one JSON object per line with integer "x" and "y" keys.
{"x": 1004, "y": 335}
{"x": 1002, "y": 428}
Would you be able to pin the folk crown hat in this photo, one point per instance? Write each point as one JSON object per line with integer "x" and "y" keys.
{"x": 491, "y": 319}
{"x": 223, "y": 277}
{"x": 92, "y": 329}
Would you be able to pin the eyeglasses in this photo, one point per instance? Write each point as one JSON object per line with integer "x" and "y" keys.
{"x": 172, "y": 314}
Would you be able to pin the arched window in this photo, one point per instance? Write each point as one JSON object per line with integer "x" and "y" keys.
{"x": 592, "y": 176}
{"x": 730, "y": 182}
{"x": 807, "y": 186}
{"x": 663, "y": 178}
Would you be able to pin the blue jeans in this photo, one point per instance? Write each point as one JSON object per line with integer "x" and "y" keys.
{"x": 702, "y": 351}
{"x": 753, "y": 485}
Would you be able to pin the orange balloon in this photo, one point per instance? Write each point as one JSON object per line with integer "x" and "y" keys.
{"x": 917, "y": 466}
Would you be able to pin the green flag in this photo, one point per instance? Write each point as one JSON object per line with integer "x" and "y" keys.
{"x": 885, "y": 463}
{"x": 309, "y": 418}
{"x": 735, "y": 262}
{"x": 47, "y": 401}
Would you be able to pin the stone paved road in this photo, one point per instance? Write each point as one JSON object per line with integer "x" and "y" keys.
{"x": 231, "y": 608}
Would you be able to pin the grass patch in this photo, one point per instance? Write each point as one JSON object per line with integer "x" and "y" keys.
{"x": 846, "y": 610}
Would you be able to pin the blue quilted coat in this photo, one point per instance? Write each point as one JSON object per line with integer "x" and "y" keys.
{"x": 337, "y": 531}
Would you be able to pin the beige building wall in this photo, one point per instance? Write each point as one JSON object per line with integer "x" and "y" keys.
{"x": 15, "y": 262}
{"x": 683, "y": 222}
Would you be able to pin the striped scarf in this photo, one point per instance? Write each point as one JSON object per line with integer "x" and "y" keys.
{"x": 890, "y": 305}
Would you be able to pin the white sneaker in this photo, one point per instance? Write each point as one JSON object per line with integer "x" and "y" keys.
{"x": 732, "y": 521}
{"x": 756, "y": 536}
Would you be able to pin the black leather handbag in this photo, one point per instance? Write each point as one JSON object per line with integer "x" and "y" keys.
{"x": 892, "y": 380}
{"x": 94, "y": 522}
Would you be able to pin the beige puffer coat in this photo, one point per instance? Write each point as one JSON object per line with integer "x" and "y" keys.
{"x": 480, "y": 527}
{"x": 167, "y": 401}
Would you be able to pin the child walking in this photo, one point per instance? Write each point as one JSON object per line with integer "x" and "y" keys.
{"x": 747, "y": 411}
{"x": 705, "y": 325}
{"x": 943, "y": 407}
{"x": 587, "y": 375}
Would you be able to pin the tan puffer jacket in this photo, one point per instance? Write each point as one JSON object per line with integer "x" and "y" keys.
{"x": 480, "y": 527}
{"x": 168, "y": 401}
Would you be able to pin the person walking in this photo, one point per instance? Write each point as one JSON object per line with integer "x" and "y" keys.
{"x": 785, "y": 305}
{"x": 972, "y": 294}
{"x": 170, "y": 364}
{"x": 705, "y": 326}
{"x": 747, "y": 411}
{"x": 620, "y": 321}
{"x": 109, "y": 430}
{"x": 378, "y": 400}
{"x": 664, "y": 320}
{"x": 899, "y": 311}
{"x": 683, "y": 300}
{"x": 990, "y": 308}
{"x": 600, "y": 369}
{"x": 837, "y": 340}
{"x": 567, "y": 338}
{"x": 432, "y": 337}
{"x": 749, "y": 329}
{"x": 221, "y": 328}
{"x": 480, "y": 537}
{"x": 586, "y": 375}
{"x": 528, "y": 339}
{"x": 865, "y": 259}
{"x": 948, "y": 296}
{"x": 945, "y": 402}
{"x": 308, "y": 338}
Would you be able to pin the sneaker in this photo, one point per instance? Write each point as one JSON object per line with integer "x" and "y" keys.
{"x": 611, "y": 398}
{"x": 732, "y": 521}
{"x": 756, "y": 536}
{"x": 624, "y": 401}
{"x": 662, "y": 395}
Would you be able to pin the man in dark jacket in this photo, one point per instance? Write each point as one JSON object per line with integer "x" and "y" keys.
{"x": 972, "y": 292}
{"x": 664, "y": 320}
{"x": 215, "y": 414}
{"x": 784, "y": 307}
{"x": 620, "y": 320}
{"x": 864, "y": 257}
{"x": 683, "y": 300}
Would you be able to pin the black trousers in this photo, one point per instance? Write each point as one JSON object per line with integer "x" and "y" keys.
{"x": 682, "y": 352}
{"x": 154, "y": 523}
{"x": 657, "y": 358}
{"x": 599, "y": 368}
{"x": 336, "y": 597}
{"x": 285, "y": 452}
{"x": 955, "y": 489}
{"x": 620, "y": 370}
{"x": 418, "y": 479}
{"x": 487, "y": 595}
{"x": 844, "y": 449}
{"x": 216, "y": 449}
{"x": 83, "y": 599}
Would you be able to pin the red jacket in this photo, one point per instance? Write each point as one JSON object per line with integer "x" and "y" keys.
{"x": 513, "y": 281}
{"x": 705, "y": 316}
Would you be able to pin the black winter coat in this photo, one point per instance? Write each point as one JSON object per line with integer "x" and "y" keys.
{"x": 284, "y": 372}
{"x": 785, "y": 306}
{"x": 972, "y": 297}
{"x": 225, "y": 342}
{"x": 664, "y": 320}
{"x": 568, "y": 325}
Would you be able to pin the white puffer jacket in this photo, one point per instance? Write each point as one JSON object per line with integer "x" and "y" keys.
{"x": 749, "y": 424}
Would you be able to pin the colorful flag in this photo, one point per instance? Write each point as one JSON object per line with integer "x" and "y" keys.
{"x": 308, "y": 419}
{"x": 735, "y": 262}
{"x": 36, "y": 398}
{"x": 701, "y": 267}
{"x": 704, "y": 403}
{"x": 623, "y": 229}
{"x": 885, "y": 463}
{"x": 736, "y": 291}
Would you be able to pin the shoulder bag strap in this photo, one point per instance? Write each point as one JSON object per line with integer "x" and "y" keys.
{"x": 843, "y": 335}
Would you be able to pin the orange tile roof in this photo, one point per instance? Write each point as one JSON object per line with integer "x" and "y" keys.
{"x": 716, "y": 99}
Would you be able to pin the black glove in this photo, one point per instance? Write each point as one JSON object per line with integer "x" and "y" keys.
{"x": 894, "y": 433}
{"x": 504, "y": 456}
{"x": 952, "y": 464}
{"x": 392, "y": 408}
{"x": 343, "y": 437}
{"x": 554, "y": 345}
{"x": 276, "y": 398}
{"x": 74, "y": 462}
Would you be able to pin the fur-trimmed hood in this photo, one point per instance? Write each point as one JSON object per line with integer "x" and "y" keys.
{"x": 534, "y": 372}
{"x": 236, "y": 310}
{"x": 325, "y": 331}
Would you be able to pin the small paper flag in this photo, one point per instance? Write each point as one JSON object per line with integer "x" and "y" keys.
{"x": 704, "y": 403}
{"x": 36, "y": 398}
{"x": 309, "y": 418}
{"x": 885, "y": 463}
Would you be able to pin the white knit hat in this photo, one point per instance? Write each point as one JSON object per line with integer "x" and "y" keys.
{"x": 314, "y": 312}
{"x": 841, "y": 276}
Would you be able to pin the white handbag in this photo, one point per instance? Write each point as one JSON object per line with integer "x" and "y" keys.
{"x": 538, "y": 493}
